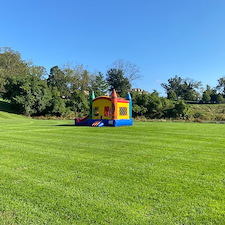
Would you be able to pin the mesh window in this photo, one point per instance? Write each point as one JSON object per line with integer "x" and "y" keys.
{"x": 123, "y": 111}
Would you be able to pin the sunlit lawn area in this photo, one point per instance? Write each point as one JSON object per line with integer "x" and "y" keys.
{"x": 150, "y": 173}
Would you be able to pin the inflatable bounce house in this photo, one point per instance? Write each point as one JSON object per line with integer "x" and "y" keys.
{"x": 108, "y": 111}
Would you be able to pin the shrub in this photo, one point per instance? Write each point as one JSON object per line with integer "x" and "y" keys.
{"x": 180, "y": 110}
{"x": 198, "y": 115}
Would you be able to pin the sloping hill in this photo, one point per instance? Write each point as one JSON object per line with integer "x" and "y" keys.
{"x": 8, "y": 112}
{"x": 5, "y": 115}
{"x": 208, "y": 112}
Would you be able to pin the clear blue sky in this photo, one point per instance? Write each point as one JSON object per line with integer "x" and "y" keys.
{"x": 163, "y": 37}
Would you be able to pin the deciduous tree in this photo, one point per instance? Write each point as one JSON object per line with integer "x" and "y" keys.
{"x": 186, "y": 89}
{"x": 117, "y": 81}
{"x": 221, "y": 85}
{"x": 11, "y": 64}
{"x": 130, "y": 70}
{"x": 174, "y": 84}
{"x": 29, "y": 94}
{"x": 57, "y": 79}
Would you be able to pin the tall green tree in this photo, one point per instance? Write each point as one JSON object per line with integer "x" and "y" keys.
{"x": 186, "y": 89}
{"x": 79, "y": 78}
{"x": 85, "y": 81}
{"x": 79, "y": 103}
{"x": 117, "y": 81}
{"x": 212, "y": 95}
{"x": 206, "y": 96}
{"x": 11, "y": 64}
{"x": 38, "y": 71}
{"x": 174, "y": 84}
{"x": 221, "y": 85}
{"x": 57, "y": 105}
{"x": 99, "y": 85}
{"x": 220, "y": 98}
{"x": 57, "y": 79}
{"x": 29, "y": 94}
{"x": 189, "y": 89}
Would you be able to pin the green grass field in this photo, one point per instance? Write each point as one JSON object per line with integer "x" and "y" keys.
{"x": 151, "y": 173}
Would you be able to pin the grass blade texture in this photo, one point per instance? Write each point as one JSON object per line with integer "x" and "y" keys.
{"x": 150, "y": 173}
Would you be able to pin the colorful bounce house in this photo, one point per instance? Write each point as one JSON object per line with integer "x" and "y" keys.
{"x": 108, "y": 111}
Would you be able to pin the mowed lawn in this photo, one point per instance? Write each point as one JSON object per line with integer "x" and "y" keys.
{"x": 150, "y": 173}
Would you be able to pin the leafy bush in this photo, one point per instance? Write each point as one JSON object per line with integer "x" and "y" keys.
{"x": 29, "y": 94}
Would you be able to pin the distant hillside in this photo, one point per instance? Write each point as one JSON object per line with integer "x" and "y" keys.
{"x": 207, "y": 112}
{"x": 7, "y": 111}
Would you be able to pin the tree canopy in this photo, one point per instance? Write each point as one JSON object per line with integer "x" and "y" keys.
{"x": 178, "y": 88}
{"x": 130, "y": 70}
{"x": 117, "y": 81}
{"x": 65, "y": 89}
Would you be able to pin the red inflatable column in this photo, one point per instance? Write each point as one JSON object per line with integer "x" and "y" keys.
{"x": 114, "y": 104}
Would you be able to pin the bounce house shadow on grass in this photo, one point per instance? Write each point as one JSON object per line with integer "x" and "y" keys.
{"x": 65, "y": 125}
{"x": 7, "y": 107}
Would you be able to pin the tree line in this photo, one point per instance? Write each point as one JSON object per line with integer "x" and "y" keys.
{"x": 178, "y": 88}
{"x": 64, "y": 90}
